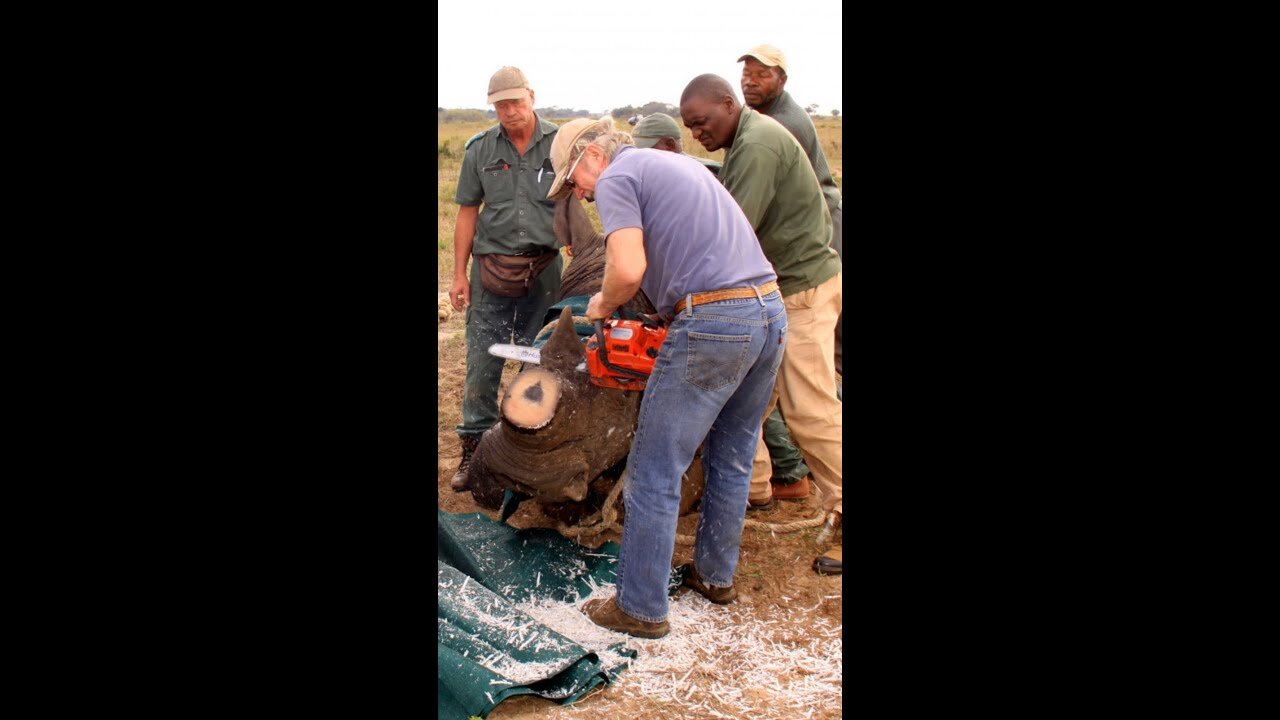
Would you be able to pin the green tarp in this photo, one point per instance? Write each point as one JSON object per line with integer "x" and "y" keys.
{"x": 489, "y": 650}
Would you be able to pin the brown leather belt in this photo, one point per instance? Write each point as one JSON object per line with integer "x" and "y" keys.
{"x": 730, "y": 294}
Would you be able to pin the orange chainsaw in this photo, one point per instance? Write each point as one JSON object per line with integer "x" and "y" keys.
{"x": 621, "y": 353}
{"x": 623, "y": 360}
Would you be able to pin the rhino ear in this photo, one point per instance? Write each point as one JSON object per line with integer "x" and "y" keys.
{"x": 573, "y": 228}
{"x": 563, "y": 350}
{"x": 560, "y": 222}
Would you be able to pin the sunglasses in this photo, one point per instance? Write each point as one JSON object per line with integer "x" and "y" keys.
{"x": 568, "y": 178}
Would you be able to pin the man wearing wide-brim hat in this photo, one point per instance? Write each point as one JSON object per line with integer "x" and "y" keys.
{"x": 675, "y": 232}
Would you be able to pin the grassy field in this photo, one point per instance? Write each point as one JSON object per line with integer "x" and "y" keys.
{"x": 450, "y": 138}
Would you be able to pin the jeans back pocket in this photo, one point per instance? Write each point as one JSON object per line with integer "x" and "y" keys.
{"x": 716, "y": 360}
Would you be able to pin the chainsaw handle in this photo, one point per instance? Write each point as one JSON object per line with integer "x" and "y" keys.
{"x": 604, "y": 355}
{"x": 654, "y": 320}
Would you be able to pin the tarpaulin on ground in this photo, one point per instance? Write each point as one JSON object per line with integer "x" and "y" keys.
{"x": 577, "y": 305}
{"x": 488, "y": 649}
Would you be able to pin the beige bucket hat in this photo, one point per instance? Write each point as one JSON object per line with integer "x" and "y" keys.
{"x": 570, "y": 135}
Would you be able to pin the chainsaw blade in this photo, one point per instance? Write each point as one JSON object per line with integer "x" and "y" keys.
{"x": 524, "y": 354}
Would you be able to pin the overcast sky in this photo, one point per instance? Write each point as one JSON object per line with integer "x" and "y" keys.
{"x": 605, "y": 57}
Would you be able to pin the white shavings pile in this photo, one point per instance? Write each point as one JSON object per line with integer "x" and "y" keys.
{"x": 717, "y": 661}
{"x": 484, "y": 607}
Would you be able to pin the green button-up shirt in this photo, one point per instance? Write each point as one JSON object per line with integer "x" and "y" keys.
{"x": 767, "y": 172}
{"x": 516, "y": 216}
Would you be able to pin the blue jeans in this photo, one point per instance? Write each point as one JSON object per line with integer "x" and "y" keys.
{"x": 496, "y": 319}
{"x": 711, "y": 381}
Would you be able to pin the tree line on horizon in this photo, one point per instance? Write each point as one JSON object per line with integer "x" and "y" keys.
{"x": 621, "y": 113}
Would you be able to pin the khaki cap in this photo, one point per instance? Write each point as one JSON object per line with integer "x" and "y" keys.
{"x": 567, "y": 137}
{"x": 653, "y": 128}
{"x": 508, "y": 84}
{"x": 768, "y": 55}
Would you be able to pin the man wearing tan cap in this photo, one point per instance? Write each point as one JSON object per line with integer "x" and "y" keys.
{"x": 676, "y": 233}
{"x": 766, "y": 171}
{"x": 660, "y": 131}
{"x": 504, "y": 223}
{"x": 764, "y": 77}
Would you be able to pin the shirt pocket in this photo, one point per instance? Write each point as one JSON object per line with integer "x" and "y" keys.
{"x": 497, "y": 180}
{"x": 545, "y": 178}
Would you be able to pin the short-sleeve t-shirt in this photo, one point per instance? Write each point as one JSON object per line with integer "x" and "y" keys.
{"x": 696, "y": 238}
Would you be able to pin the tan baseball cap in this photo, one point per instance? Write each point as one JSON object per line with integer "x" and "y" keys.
{"x": 508, "y": 84}
{"x": 653, "y": 128}
{"x": 768, "y": 55}
{"x": 567, "y": 138}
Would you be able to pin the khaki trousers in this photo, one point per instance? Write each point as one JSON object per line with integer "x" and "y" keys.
{"x": 806, "y": 391}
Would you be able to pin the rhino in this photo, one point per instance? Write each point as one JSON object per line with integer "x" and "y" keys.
{"x": 561, "y": 440}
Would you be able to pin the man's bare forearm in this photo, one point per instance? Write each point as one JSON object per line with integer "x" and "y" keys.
{"x": 463, "y": 238}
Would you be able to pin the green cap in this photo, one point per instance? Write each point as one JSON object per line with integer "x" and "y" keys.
{"x": 653, "y": 128}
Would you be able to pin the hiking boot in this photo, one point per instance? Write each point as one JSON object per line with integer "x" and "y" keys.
{"x": 832, "y": 561}
{"x": 717, "y": 595}
{"x": 607, "y": 614}
{"x": 797, "y": 490}
{"x": 459, "y": 481}
{"x": 829, "y": 563}
{"x": 764, "y": 504}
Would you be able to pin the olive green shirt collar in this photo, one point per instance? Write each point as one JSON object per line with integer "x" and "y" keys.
{"x": 540, "y": 127}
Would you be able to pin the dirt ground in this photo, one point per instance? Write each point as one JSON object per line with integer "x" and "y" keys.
{"x": 777, "y": 587}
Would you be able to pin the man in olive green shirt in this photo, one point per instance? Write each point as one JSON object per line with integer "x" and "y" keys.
{"x": 767, "y": 172}
{"x": 508, "y": 169}
{"x": 790, "y": 474}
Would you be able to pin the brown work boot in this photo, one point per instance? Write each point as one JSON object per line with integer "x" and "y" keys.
{"x": 797, "y": 490}
{"x": 459, "y": 481}
{"x": 717, "y": 595}
{"x": 607, "y": 614}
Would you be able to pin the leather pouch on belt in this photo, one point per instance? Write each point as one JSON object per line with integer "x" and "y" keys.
{"x": 512, "y": 275}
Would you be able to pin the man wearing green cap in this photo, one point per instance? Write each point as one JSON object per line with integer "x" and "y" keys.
{"x": 515, "y": 275}
{"x": 661, "y": 132}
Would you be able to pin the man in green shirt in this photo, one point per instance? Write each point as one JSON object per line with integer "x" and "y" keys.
{"x": 507, "y": 168}
{"x": 767, "y": 172}
{"x": 790, "y": 474}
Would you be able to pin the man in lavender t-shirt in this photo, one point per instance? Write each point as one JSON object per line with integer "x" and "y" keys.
{"x": 674, "y": 231}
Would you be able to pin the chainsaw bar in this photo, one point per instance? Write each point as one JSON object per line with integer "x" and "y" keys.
{"x": 524, "y": 354}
